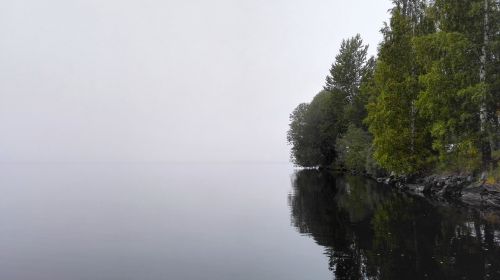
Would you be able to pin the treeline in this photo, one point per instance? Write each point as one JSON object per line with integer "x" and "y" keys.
{"x": 430, "y": 100}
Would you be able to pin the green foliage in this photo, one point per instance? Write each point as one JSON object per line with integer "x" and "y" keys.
{"x": 353, "y": 148}
{"x": 400, "y": 137}
{"x": 479, "y": 22}
{"x": 431, "y": 99}
{"x": 349, "y": 75}
{"x": 313, "y": 130}
{"x": 462, "y": 16}
{"x": 356, "y": 109}
{"x": 303, "y": 152}
{"x": 450, "y": 97}
{"x": 315, "y": 127}
{"x": 347, "y": 71}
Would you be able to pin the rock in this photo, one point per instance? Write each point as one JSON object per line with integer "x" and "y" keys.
{"x": 457, "y": 188}
{"x": 404, "y": 179}
{"x": 400, "y": 185}
{"x": 442, "y": 192}
{"x": 416, "y": 188}
{"x": 388, "y": 181}
{"x": 427, "y": 188}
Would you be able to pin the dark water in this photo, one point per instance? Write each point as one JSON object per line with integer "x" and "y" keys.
{"x": 229, "y": 221}
{"x": 370, "y": 232}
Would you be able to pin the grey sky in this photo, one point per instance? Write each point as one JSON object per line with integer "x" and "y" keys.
{"x": 160, "y": 80}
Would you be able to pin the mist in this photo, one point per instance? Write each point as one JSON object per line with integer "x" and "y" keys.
{"x": 177, "y": 81}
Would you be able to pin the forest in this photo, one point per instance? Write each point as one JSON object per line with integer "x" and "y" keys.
{"x": 428, "y": 102}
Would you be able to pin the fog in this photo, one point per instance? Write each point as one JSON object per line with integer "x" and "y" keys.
{"x": 177, "y": 81}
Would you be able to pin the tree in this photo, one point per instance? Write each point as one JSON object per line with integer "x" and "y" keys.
{"x": 356, "y": 111}
{"x": 347, "y": 71}
{"x": 303, "y": 152}
{"x": 450, "y": 97}
{"x": 478, "y": 20}
{"x": 314, "y": 128}
{"x": 353, "y": 148}
{"x": 401, "y": 138}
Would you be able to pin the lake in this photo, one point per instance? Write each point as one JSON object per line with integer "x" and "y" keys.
{"x": 230, "y": 221}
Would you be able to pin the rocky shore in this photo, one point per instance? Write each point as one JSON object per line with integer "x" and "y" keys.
{"x": 465, "y": 190}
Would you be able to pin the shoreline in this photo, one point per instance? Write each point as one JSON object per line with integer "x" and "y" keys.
{"x": 457, "y": 190}
{"x": 464, "y": 190}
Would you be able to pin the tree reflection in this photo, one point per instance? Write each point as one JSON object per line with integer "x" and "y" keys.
{"x": 371, "y": 232}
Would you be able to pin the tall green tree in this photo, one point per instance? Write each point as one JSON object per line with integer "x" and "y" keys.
{"x": 347, "y": 71}
{"x": 350, "y": 75}
{"x": 478, "y": 21}
{"x": 401, "y": 139}
{"x": 450, "y": 97}
{"x": 356, "y": 109}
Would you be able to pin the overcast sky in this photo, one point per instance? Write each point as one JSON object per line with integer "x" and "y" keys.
{"x": 165, "y": 80}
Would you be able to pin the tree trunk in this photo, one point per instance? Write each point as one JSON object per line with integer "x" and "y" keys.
{"x": 483, "y": 113}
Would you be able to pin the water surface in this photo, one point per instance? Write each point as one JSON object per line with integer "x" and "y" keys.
{"x": 151, "y": 221}
{"x": 229, "y": 221}
{"x": 368, "y": 231}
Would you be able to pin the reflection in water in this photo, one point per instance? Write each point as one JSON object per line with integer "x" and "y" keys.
{"x": 371, "y": 232}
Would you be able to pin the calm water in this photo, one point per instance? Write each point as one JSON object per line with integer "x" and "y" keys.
{"x": 370, "y": 232}
{"x": 239, "y": 221}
